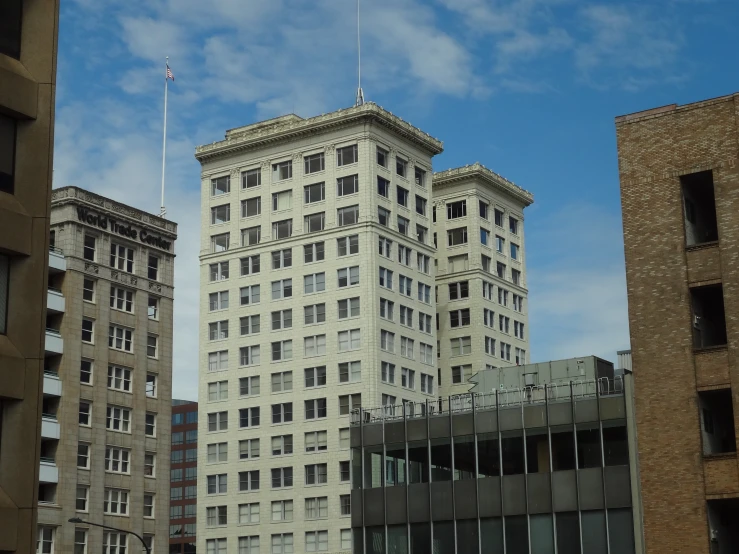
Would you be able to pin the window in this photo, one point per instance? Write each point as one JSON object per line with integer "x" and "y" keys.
{"x": 152, "y": 310}
{"x": 347, "y": 245}
{"x": 459, "y": 318}
{"x": 252, "y": 207}
{"x": 459, "y": 290}
{"x": 83, "y": 455}
{"x": 175, "y": 512}
{"x": 490, "y": 346}
{"x": 218, "y": 361}
{"x": 457, "y": 236}
{"x": 427, "y": 383}
{"x": 405, "y": 285}
{"x": 249, "y": 513}
{"x": 486, "y": 262}
{"x": 115, "y": 502}
{"x": 344, "y": 441}
{"x": 151, "y": 346}
{"x": 484, "y": 210}
{"x": 346, "y": 155}
{"x": 518, "y": 329}
{"x": 249, "y": 480}
{"x": 458, "y": 263}
{"x": 314, "y": 193}
{"x": 427, "y": 354}
{"x": 88, "y": 327}
{"x": 488, "y": 318}
{"x": 316, "y": 474}
{"x": 114, "y": 543}
{"x": 249, "y": 386}
{"x": 89, "y": 248}
{"x": 408, "y": 378}
{"x": 386, "y": 278}
{"x": 424, "y": 323}
{"x": 498, "y": 217}
{"x": 281, "y": 319}
{"x": 514, "y": 251}
{"x": 220, "y": 185}
{"x": 250, "y": 236}
{"x": 316, "y": 441}
{"x": 315, "y": 377}
{"x": 421, "y": 205}
{"x": 282, "y": 258}
{"x": 83, "y": 493}
{"x": 387, "y": 341}
{"x": 316, "y": 541}
{"x": 383, "y": 216}
{"x": 282, "y": 381}
{"x": 218, "y": 300}
{"x": 347, "y": 185}
{"x": 249, "y": 295}
{"x": 282, "y": 477}
{"x": 402, "y": 196}
{"x": 216, "y": 516}
{"x": 282, "y": 229}
{"x": 119, "y": 378}
{"x": 282, "y": 445}
{"x": 422, "y": 234}
{"x": 315, "y": 282}
{"x": 386, "y": 309}
{"x": 282, "y": 200}
{"x": 461, "y": 346}
{"x": 461, "y": 373}
{"x": 217, "y": 484}
{"x": 118, "y": 419}
{"x": 248, "y": 449}
{"x": 148, "y": 506}
{"x": 178, "y": 438}
{"x": 80, "y": 541}
{"x": 424, "y": 293}
{"x": 401, "y": 166}
{"x": 406, "y": 347}
{"x": 249, "y": 417}
{"x": 220, "y": 214}
{"x": 282, "y": 510}
{"x": 315, "y": 313}
{"x": 120, "y": 338}
{"x": 382, "y": 157}
{"x": 282, "y": 544}
{"x": 315, "y": 345}
{"x": 349, "y": 402}
{"x": 315, "y": 408}
{"x": 217, "y": 421}
{"x": 403, "y": 225}
{"x": 505, "y": 351}
{"x": 218, "y": 330}
{"x": 121, "y": 257}
{"x": 251, "y": 178}
{"x": 219, "y": 271}
{"x": 249, "y": 355}
{"x": 345, "y": 504}
{"x": 88, "y": 290}
{"x": 150, "y": 425}
{"x": 456, "y": 209}
{"x": 485, "y": 236}
{"x": 219, "y": 243}
{"x": 516, "y": 276}
{"x": 314, "y": 222}
{"x": 487, "y": 290}
{"x": 383, "y": 187}
{"x": 350, "y": 372}
{"x": 347, "y": 216}
{"x": 215, "y": 546}
{"x": 282, "y": 289}
{"x": 150, "y": 464}
{"x": 404, "y": 255}
{"x": 316, "y": 508}
{"x": 313, "y": 252}
{"x": 282, "y": 171}
{"x": 520, "y": 356}
{"x": 175, "y": 493}
{"x": 388, "y": 373}
{"x": 217, "y": 391}
{"x": 348, "y": 276}
{"x": 518, "y": 303}
{"x": 349, "y": 308}
{"x": 314, "y": 163}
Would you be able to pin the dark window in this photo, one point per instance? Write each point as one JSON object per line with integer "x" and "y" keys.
{"x": 594, "y": 532}
{"x": 488, "y": 457}
{"x": 717, "y": 423}
{"x": 7, "y": 134}
{"x": 512, "y": 452}
{"x": 421, "y": 539}
{"x": 699, "y": 203}
{"x": 464, "y": 458}
{"x": 568, "y": 533}
{"x": 709, "y": 319}
{"x": 10, "y": 28}
{"x": 563, "y": 448}
{"x": 517, "y": 535}
{"x": 394, "y": 464}
{"x": 537, "y": 451}
{"x": 418, "y": 465}
{"x": 588, "y": 445}
{"x": 4, "y": 279}
{"x": 441, "y": 460}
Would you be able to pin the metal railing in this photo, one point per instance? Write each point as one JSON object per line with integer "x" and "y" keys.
{"x": 57, "y": 291}
{"x": 46, "y": 460}
{"x": 51, "y": 417}
{"x": 51, "y": 373}
{"x": 53, "y": 332}
{"x": 56, "y": 250}
{"x": 502, "y": 398}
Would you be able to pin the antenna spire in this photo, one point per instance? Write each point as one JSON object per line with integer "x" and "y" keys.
{"x": 360, "y": 94}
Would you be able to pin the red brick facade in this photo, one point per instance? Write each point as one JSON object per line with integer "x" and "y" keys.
{"x": 184, "y": 420}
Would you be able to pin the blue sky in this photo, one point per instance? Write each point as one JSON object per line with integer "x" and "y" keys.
{"x": 529, "y": 88}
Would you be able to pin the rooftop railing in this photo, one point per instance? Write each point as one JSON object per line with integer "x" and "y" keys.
{"x": 503, "y": 398}
{"x": 56, "y": 250}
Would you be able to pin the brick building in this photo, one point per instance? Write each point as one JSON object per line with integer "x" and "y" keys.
{"x": 183, "y": 477}
{"x": 680, "y": 201}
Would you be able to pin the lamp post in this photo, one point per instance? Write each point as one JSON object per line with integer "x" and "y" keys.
{"x": 78, "y": 520}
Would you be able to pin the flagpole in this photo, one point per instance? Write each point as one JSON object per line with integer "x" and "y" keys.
{"x": 163, "y": 210}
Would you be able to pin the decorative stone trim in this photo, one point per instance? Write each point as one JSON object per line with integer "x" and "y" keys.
{"x": 448, "y": 176}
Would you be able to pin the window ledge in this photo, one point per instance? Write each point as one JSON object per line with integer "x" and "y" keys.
{"x": 720, "y": 456}
{"x": 707, "y": 349}
{"x": 702, "y": 245}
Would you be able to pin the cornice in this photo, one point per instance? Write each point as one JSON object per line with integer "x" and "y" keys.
{"x": 290, "y": 128}
{"x": 477, "y": 170}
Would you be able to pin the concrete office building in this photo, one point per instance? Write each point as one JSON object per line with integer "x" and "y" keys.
{"x": 106, "y": 424}
{"x": 28, "y": 48}
{"x": 482, "y": 299}
{"x": 317, "y": 295}
{"x": 183, "y": 477}
{"x": 520, "y": 469}
{"x": 679, "y": 189}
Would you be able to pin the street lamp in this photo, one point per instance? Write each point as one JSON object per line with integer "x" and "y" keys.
{"x": 78, "y": 520}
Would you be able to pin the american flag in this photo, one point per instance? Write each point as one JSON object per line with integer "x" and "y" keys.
{"x": 169, "y": 74}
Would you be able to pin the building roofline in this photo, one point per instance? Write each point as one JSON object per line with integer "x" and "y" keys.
{"x": 65, "y": 194}
{"x": 671, "y": 108}
{"x": 290, "y": 127}
{"x": 477, "y": 170}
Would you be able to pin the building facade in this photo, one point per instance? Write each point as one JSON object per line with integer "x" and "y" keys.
{"x": 105, "y": 447}
{"x": 317, "y": 295}
{"x": 482, "y": 296}
{"x": 526, "y": 469}
{"x": 28, "y": 48}
{"x": 183, "y": 477}
{"x": 679, "y": 190}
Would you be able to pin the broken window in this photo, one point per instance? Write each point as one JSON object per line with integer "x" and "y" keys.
{"x": 588, "y": 445}
{"x": 537, "y": 450}
{"x": 512, "y": 451}
{"x": 717, "y": 422}
{"x": 709, "y": 322}
{"x": 615, "y": 443}
{"x": 699, "y": 206}
{"x": 563, "y": 448}
{"x": 488, "y": 456}
{"x": 724, "y": 532}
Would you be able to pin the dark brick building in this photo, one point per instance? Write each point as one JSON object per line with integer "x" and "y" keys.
{"x": 680, "y": 201}
{"x": 183, "y": 477}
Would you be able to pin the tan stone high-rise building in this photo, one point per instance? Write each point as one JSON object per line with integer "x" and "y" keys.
{"x": 28, "y": 47}
{"x": 105, "y": 450}
{"x": 680, "y": 201}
